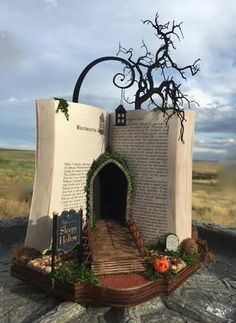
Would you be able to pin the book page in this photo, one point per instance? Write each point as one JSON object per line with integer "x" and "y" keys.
{"x": 38, "y": 220}
{"x": 77, "y": 143}
{"x": 154, "y": 155}
{"x": 71, "y": 150}
{"x": 180, "y": 177}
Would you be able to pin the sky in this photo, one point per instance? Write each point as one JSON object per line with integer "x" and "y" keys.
{"x": 45, "y": 45}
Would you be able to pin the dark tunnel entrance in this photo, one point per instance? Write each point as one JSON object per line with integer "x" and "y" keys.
{"x": 110, "y": 193}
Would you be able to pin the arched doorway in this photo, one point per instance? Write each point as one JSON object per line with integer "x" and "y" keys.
{"x": 110, "y": 188}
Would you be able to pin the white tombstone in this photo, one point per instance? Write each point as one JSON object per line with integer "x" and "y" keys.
{"x": 172, "y": 242}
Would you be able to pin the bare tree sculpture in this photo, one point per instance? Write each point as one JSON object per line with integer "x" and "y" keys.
{"x": 165, "y": 96}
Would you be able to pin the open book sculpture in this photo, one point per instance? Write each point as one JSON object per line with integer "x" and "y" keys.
{"x": 132, "y": 176}
{"x": 160, "y": 168}
{"x": 133, "y": 183}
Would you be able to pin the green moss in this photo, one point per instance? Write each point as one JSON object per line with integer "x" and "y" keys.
{"x": 75, "y": 272}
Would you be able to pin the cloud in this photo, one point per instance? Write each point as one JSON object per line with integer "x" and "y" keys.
{"x": 13, "y": 99}
{"x": 44, "y": 51}
{"x": 216, "y": 119}
{"x": 12, "y": 52}
{"x": 50, "y": 4}
{"x": 217, "y": 110}
{"x": 219, "y": 147}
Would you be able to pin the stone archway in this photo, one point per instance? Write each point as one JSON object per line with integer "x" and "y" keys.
{"x": 109, "y": 190}
{"x": 110, "y": 193}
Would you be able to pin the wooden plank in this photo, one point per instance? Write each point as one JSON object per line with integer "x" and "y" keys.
{"x": 122, "y": 266}
{"x": 114, "y": 249}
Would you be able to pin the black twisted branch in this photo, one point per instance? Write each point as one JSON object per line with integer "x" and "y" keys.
{"x": 97, "y": 61}
{"x": 168, "y": 92}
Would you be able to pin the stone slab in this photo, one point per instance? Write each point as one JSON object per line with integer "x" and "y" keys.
{"x": 13, "y": 230}
{"x": 219, "y": 238}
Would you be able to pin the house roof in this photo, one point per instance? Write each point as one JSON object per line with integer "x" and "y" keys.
{"x": 120, "y": 108}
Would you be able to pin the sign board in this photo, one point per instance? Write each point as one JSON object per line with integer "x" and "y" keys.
{"x": 172, "y": 242}
{"x": 69, "y": 229}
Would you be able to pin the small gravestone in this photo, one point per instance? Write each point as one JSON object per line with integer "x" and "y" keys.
{"x": 172, "y": 242}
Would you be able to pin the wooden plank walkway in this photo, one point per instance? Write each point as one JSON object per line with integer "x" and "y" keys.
{"x": 114, "y": 249}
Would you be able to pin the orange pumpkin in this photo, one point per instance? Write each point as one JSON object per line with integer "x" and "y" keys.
{"x": 161, "y": 265}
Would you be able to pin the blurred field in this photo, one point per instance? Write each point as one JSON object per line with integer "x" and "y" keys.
{"x": 16, "y": 182}
{"x": 214, "y": 192}
{"x": 214, "y": 187}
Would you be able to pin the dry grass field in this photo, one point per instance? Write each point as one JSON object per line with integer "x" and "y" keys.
{"x": 214, "y": 188}
{"x": 214, "y": 192}
{"x": 16, "y": 182}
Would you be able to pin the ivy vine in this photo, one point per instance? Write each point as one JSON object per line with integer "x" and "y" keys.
{"x": 109, "y": 154}
{"x": 63, "y": 107}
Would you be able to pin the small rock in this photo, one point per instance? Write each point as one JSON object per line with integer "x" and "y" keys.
{"x": 47, "y": 269}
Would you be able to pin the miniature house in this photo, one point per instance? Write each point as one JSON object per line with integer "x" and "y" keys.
{"x": 120, "y": 116}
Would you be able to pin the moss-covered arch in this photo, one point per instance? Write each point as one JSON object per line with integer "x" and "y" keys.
{"x": 103, "y": 160}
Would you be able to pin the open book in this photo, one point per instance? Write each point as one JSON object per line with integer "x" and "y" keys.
{"x": 160, "y": 162}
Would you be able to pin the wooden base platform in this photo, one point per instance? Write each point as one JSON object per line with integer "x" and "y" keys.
{"x": 84, "y": 294}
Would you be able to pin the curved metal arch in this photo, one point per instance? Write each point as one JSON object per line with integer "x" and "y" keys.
{"x": 129, "y": 187}
{"x": 79, "y": 82}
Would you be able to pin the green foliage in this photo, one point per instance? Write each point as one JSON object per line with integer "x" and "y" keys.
{"x": 171, "y": 253}
{"x": 159, "y": 246}
{"x": 33, "y": 253}
{"x": 75, "y": 272}
{"x": 189, "y": 258}
{"x": 151, "y": 274}
{"x": 63, "y": 107}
